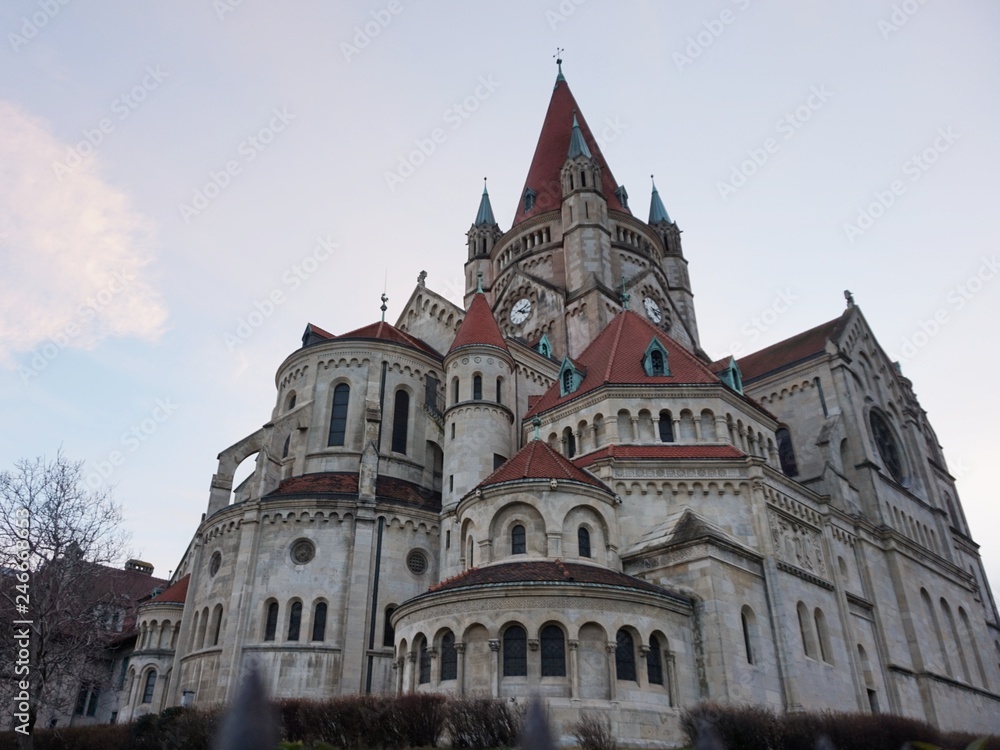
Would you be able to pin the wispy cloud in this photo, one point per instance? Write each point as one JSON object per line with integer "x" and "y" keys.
{"x": 73, "y": 252}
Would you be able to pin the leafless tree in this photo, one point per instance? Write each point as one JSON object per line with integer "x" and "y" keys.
{"x": 56, "y": 537}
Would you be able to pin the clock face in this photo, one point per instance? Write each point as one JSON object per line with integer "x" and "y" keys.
{"x": 520, "y": 311}
{"x": 652, "y": 310}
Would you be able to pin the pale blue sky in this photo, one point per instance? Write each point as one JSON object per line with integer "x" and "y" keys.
{"x": 173, "y": 91}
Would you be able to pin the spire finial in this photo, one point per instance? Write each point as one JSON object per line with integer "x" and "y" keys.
{"x": 484, "y": 187}
{"x": 384, "y": 307}
{"x": 536, "y": 422}
{"x": 479, "y": 283}
{"x": 558, "y": 57}
{"x": 654, "y": 182}
{"x": 624, "y": 296}
{"x": 849, "y": 297}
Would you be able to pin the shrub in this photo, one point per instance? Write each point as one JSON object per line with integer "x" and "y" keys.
{"x": 420, "y": 718}
{"x": 745, "y": 727}
{"x": 483, "y": 722}
{"x": 594, "y": 733}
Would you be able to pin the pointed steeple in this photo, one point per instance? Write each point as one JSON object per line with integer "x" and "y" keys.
{"x": 479, "y": 327}
{"x": 542, "y": 189}
{"x": 657, "y": 211}
{"x": 577, "y": 144}
{"x": 485, "y": 215}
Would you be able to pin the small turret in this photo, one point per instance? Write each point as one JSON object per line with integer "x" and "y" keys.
{"x": 674, "y": 264}
{"x": 482, "y": 235}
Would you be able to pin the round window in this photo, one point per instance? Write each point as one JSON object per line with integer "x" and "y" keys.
{"x": 416, "y": 561}
{"x": 303, "y": 550}
{"x": 888, "y": 449}
{"x": 214, "y": 563}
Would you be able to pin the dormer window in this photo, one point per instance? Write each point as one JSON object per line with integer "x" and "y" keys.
{"x": 622, "y": 195}
{"x": 529, "y": 199}
{"x": 544, "y": 347}
{"x": 655, "y": 360}
{"x": 569, "y": 378}
{"x": 732, "y": 376}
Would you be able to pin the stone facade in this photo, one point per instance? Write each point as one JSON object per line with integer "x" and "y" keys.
{"x": 554, "y": 491}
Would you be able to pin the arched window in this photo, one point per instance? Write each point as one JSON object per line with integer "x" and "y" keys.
{"x": 567, "y": 380}
{"x": 666, "y": 427}
{"x": 271, "y": 623}
{"x": 553, "y": 645}
{"x": 583, "y": 541}
{"x": 147, "y": 691}
{"x": 786, "y": 452}
{"x": 388, "y": 632}
{"x": 294, "y": 621}
{"x": 449, "y": 657}
{"x": 654, "y": 661}
{"x": 515, "y": 652}
{"x": 625, "y": 656}
{"x": 570, "y": 443}
{"x": 518, "y": 540}
{"x": 338, "y": 418}
{"x": 477, "y": 387}
{"x": 749, "y": 623}
{"x": 400, "y": 421}
{"x": 454, "y": 391}
{"x": 656, "y": 362}
{"x": 888, "y": 449}
{"x": 499, "y": 390}
{"x": 823, "y": 636}
{"x": 425, "y": 663}
{"x": 290, "y": 401}
{"x": 217, "y": 625}
{"x": 288, "y": 443}
{"x": 319, "y": 622}
{"x": 806, "y": 630}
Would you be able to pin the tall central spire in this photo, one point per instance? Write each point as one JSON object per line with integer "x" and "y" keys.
{"x": 544, "y": 183}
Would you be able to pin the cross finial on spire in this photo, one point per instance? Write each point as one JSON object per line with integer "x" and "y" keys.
{"x": 384, "y": 307}
{"x": 558, "y": 57}
{"x": 624, "y": 296}
{"x": 849, "y": 297}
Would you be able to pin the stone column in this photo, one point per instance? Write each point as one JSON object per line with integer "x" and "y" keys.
{"x": 435, "y": 672}
{"x": 460, "y": 674}
{"x": 574, "y": 670}
{"x": 579, "y": 441}
{"x": 612, "y": 647}
{"x": 635, "y": 429}
{"x": 642, "y": 674}
{"x": 722, "y": 430}
{"x": 671, "y": 666}
{"x": 495, "y": 667}
{"x": 412, "y": 675}
{"x": 697, "y": 427}
{"x": 397, "y": 664}
{"x": 677, "y": 429}
{"x": 593, "y": 429}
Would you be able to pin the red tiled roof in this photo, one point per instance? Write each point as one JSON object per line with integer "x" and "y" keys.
{"x": 550, "y": 155}
{"x": 316, "y": 330}
{"x": 175, "y": 594}
{"x": 544, "y": 571}
{"x": 478, "y": 327}
{"x": 661, "y": 452}
{"x": 615, "y": 357}
{"x": 383, "y": 331}
{"x": 537, "y": 460}
{"x": 792, "y": 350}
{"x": 346, "y": 483}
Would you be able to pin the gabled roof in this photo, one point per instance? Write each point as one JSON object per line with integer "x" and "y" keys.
{"x": 661, "y": 452}
{"x": 615, "y": 358}
{"x": 479, "y": 327}
{"x": 545, "y": 571}
{"x": 537, "y": 460}
{"x": 550, "y": 155}
{"x": 383, "y": 331}
{"x": 792, "y": 350}
{"x": 175, "y": 594}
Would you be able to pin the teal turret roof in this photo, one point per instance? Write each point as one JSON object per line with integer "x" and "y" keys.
{"x": 657, "y": 211}
{"x": 485, "y": 215}
{"x": 577, "y": 143}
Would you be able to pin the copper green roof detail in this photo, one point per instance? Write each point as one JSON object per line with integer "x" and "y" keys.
{"x": 485, "y": 215}
{"x": 577, "y": 143}
{"x": 657, "y": 211}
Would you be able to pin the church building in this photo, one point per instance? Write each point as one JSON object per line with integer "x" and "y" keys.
{"x": 552, "y": 490}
